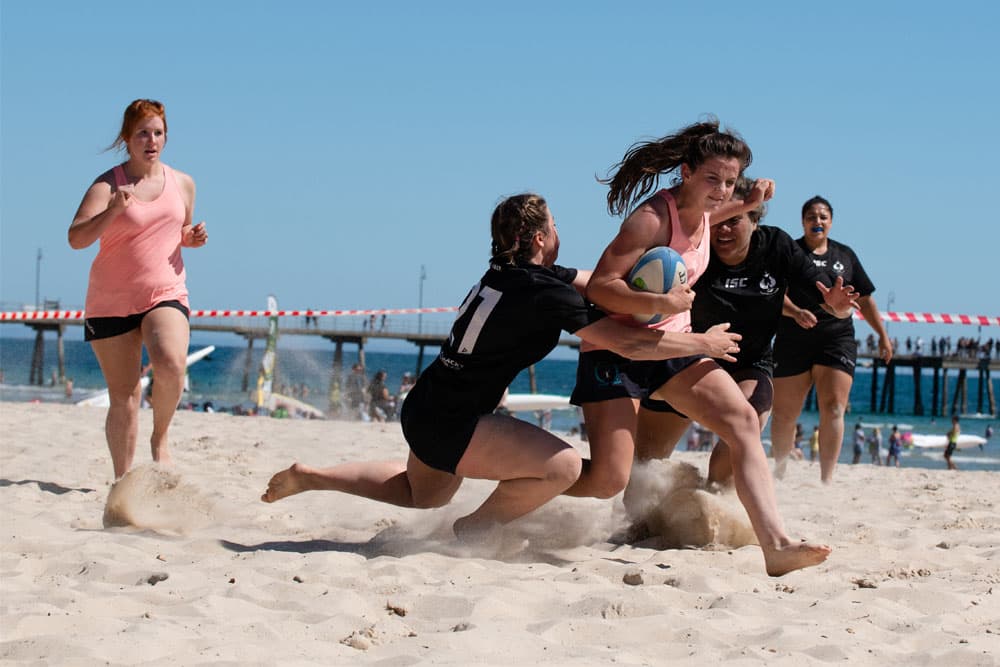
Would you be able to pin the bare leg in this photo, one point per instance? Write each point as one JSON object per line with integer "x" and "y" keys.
{"x": 166, "y": 333}
{"x": 384, "y": 481}
{"x": 833, "y": 389}
{"x": 709, "y": 395}
{"x": 657, "y": 434}
{"x": 789, "y": 396}
{"x": 532, "y": 465}
{"x": 120, "y": 359}
{"x": 756, "y": 387}
{"x": 611, "y": 434}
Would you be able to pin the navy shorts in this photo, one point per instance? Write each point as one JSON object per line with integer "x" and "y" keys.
{"x": 96, "y": 328}
{"x": 437, "y": 435}
{"x": 645, "y": 377}
{"x": 599, "y": 376}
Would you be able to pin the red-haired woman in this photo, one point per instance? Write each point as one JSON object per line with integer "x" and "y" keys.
{"x": 141, "y": 212}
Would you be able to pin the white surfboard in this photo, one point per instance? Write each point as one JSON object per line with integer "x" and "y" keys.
{"x": 530, "y": 402}
{"x": 965, "y": 441}
{"x": 102, "y": 399}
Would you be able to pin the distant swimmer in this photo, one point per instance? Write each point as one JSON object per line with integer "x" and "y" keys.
{"x": 813, "y": 347}
{"x": 511, "y": 319}
{"x": 141, "y": 212}
{"x": 949, "y": 450}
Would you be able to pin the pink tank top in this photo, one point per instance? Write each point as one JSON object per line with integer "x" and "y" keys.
{"x": 695, "y": 260}
{"x": 139, "y": 262}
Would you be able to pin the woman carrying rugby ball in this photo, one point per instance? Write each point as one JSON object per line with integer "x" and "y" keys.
{"x": 707, "y": 162}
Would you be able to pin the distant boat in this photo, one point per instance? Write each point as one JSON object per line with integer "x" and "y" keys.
{"x": 102, "y": 399}
{"x": 965, "y": 441}
{"x": 531, "y": 402}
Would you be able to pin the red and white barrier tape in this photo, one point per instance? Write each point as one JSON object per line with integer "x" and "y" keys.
{"x": 937, "y": 318}
{"x": 36, "y": 315}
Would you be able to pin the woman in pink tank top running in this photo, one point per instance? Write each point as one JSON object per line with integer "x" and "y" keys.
{"x": 141, "y": 212}
{"x": 706, "y": 162}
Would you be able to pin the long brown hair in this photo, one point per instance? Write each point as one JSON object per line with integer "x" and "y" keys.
{"x": 515, "y": 221}
{"x": 639, "y": 171}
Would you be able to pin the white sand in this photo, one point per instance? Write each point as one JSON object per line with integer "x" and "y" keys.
{"x": 219, "y": 577}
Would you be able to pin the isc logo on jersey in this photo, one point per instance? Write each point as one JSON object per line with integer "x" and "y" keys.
{"x": 658, "y": 270}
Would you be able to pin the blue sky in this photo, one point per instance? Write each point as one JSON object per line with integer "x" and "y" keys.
{"x": 337, "y": 147}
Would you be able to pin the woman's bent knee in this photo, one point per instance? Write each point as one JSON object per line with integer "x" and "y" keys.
{"x": 564, "y": 467}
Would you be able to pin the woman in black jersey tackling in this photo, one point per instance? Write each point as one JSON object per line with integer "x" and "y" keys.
{"x": 814, "y": 348}
{"x": 750, "y": 269}
{"x": 511, "y": 318}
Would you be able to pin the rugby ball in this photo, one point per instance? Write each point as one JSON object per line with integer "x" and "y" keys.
{"x": 658, "y": 270}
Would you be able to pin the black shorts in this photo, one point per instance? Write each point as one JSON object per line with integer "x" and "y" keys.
{"x": 643, "y": 378}
{"x": 761, "y": 399}
{"x": 797, "y": 354}
{"x": 656, "y": 405}
{"x": 764, "y": 362}
{"x": 599, "y": 376}
{"x": 437, "y": 435}
{"x": 96, "y": 328}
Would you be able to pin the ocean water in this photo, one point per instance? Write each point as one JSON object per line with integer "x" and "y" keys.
{"x": 306, "y": 374}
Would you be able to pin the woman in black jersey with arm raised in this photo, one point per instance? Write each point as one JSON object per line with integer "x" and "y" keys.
{"x": 512, "y": 318}
{"x": 814, "y": 348}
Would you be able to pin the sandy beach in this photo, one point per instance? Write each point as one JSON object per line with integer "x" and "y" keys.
{"x": 205, "y": 573}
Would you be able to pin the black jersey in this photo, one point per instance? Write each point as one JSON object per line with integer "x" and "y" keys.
{"x": 839, "y": 261}
{"x": 750, "y": 295}
{"x": 512, "y": 318}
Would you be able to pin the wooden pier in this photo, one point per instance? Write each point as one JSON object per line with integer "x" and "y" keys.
{"x": 942, "y": 365}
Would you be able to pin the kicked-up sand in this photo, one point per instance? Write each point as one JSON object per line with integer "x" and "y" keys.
{"x": 186, "y": 566}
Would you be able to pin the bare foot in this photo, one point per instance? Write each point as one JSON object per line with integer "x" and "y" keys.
{"x": 794, "y": 556}
{"x": 780, "y": 468}
{"x": 161, "y": 453}
{"x": 160, "y": 449}
{"x": 286, "y": 483}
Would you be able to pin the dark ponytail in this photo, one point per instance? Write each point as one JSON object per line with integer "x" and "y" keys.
{"x": 639, "y": 171}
